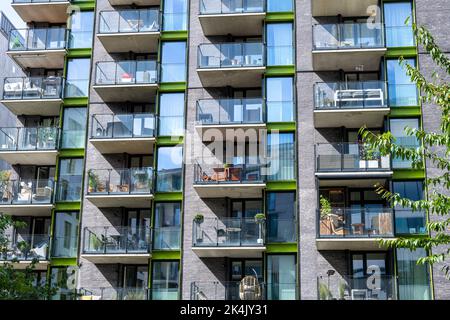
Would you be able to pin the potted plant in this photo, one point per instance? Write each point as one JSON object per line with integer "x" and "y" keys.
{"x": 324, "y": 292}
{"x": 93, "y": 181}
{"x": 4, "y": 182}
{"x": 259, "y": 219}
{"x": 326, "y": 223}
{"x": 198, "y": 219}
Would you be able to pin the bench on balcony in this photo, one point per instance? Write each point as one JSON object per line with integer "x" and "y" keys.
{"x": 358, "y": 95}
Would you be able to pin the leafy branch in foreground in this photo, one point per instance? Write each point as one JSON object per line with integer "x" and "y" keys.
{"x": 433, "y": 148}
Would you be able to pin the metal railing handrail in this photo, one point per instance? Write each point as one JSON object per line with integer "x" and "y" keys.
{"x": 26, "y": 46}
{"x": 143, "y": 115}
{"x": 139, "y": 29}
{"x": 243, "y": 101}
{"x": 46, "y": 82}
{"x": 242, "y": 53}
{"x": 134, "y": 63}
{"x": 203, "y": 11}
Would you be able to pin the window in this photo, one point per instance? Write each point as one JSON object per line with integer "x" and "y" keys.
{"x": 64, "y": 279}
{"x": 74, "y": 127}
{"x": 413, "y": 278}
{"x": 168, "y": 176}
{"x": 175, "y": 15}
{"x": 77, "y": 78}
{"x": 402, "y": 92}
{"x": 281, "y": 153}
{"x": 279, "y": 5}
{"x": 82, "y": 28}
{"x": 173, "y": 62}
{"x": 397, "y": 128}
{"x": 167, "y": 226}
{"x": 65, "y": 236}
{"x": 281, "y": 225}
{"x": 281, "y": 277}
{"x": 135, "y": 277}
{"x": 279, "y": 44}
{"x": 165, "y": 280}
{"x": 407, "y": 221}
{"x": 171, "y": 114}
{"x": 280, "y": 99}
{"x": 69, "y": 182}
{"x": 398, "y": 34}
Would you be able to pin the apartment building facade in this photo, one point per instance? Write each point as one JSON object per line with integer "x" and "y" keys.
{"x": 172, "y": 149}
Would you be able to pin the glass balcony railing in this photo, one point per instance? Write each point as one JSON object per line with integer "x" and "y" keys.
{"x": 403, "y": 95}
{"x": 27, "y": 88}
{"x": 349, "y": 157}
{"x": 167, "y": 238}
{"x": 29, "y": 139}
{"x": 233, "y": 290}
{"x": 165, "y": 290}
{"x": 338, "y": 36}
{"x": 281, "y": 230}
{"x": 232, "y": 6}
{"x": 231, "y": 55}
{"x": 120, "y": 181}
{"x": 19, "y": 192}
{"x": 399, "y": 36}
{"x": 113, "y": 126}
{"x": 350, "y": 95}
{"x": 410, "y": 222}
{"x": 364, "y": 287}
{"x": 228, "y": 232}
{"x": 65, "y": 246}
{"x": 169, "y": 180}
{"x": 222, "y": 173}
{"x": 38, "y": 1}
{"x": 356, "y": 223}
{"x": 230, "y": 111}
{"x": 111, "y": 293}
{"x": 129, "y": 21}
{"x": 117, "y": 240}
{"x": 26, "y": 247}
{"x": 37, "y": 39}
{"x": 127, "y": 72}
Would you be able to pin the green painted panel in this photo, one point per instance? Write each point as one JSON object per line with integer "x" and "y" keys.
{"x": 281, "y": 185}
{"x": 84, "y": 5}
{"x": 60, "y": 262}
{"x": 280, "y": 71}
{"x": 75, "y": 102}
{"x": 166, "y": 255}
{"x": 172, "y": 87}
{"x": 401, "y": 51}
{"x": 279, "y": 16}
{"x": 174, "y": 35}
{"x": 169, "y": 141}
{"x": 282, "y": 126}
{"x": 408, "y": 174}
{"x": 281, "y": 248}
{"x": 168, "y": 196}
{"x": 70, "y": 153}
{"x": 68, "y": 206}
{"x": 79, "y": 53}
{"x": 405, "y": 112}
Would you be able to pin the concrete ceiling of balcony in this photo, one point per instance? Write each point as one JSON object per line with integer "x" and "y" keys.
{"x": 349, "y": 244}
{"x": 121, "y": 200}
{"x": 136, "y": 2}
{"x": 367, "y": 182}
{"x": 51, "y": 12}
{"x": 348, "y": 59}
{"x": 230, "y": 190}
{"x": 218, "y": 132}
{"x": 128, "y": 258}
{"x": 35, "y": 210}
{"x": 124, "y": 145}
{"x": 350, "y": 118}
{"x": 139, "y": 42}
{"x": 34, "y": 107}
{"x": 229, "y": 252}
{"x": 32, "y": 157}
{"x": 48, "y": 59}
{"x": 127, "y": 92}
{"x": 347, "y": 8}
{"x": 22, "y": 265}
{"x": 234, "y": 77}
{"x": 237, "y": 24}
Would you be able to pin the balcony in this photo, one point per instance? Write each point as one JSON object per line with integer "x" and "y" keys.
{"x": 135, "y": 2}
{"x": 350, "y": 161}
{"x": 354, "y": 229}
{"x": 128, "y": 80}
{"x": 38, "y": 47}
{"x": 231, "y": 64}
{"x": 236, "y": 17}
{"x": 110, "y": 293}
{"x": 111, "y": 245}
{"x": 233, "y": 181}
{"x": 346, "y": 8}
{"x": 33, "y": 95}
{"x": 350, "y": 104}
{"x": 373, "y": 287}
{"x": 22, "y": 249}
{"x": 127, "y": 30}
{"x": 124, "y": 133}
{"x": 224, "y": 114}
{"x": 348, "y": 46}
{"x": 114, "y": 188}
{"x": 228, "y": 237}
{"x": 167, "y": 238}
{"x": 231, "y": 290}
{"x": 29, "y": 146}
{"x": 408, "y": 222}
{"x": 27, "y": 197}
{"x": 51, "y": 11}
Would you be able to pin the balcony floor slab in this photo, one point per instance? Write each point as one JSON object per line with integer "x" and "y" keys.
{"x": 111, "y": 258}
{"x": 350, "y": 244}
{"x": 237, "y": 77}
{"x": 126, "y": 42}
{"x": 48, "y": 59}
{"x": 36, "y": 209}
{"x": 22, "y": 265}
{"x": 350, "y": 118}
{"x": 127, "y": 92}
{"x": 237, "y": 24}
{"x": 230, "y": 252}
{"x": 34, "y": 107}
{"x": 120, "y": 200}
{"x": 51, "y": 12}
{"x": 125, "y": 145}
{"x": 32, "y": 157}
{"x": 346, "y": 8}
{"x": 348, "y": 59}
{"x": 230, "y": 190}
